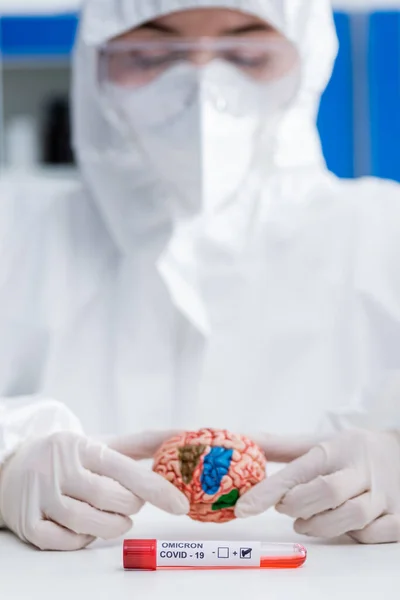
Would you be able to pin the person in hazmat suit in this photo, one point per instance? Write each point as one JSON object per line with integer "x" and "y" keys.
{"x": 205, "y": 270}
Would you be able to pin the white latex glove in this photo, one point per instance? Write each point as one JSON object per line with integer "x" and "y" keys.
{"x": 60, "y": 492}
{"x": 347, "y": 485}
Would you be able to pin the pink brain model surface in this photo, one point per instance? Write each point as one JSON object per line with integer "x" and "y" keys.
{"x": 213, "y": 468}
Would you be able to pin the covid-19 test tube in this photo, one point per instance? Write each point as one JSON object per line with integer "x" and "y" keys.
{"x": 151, "y": 555}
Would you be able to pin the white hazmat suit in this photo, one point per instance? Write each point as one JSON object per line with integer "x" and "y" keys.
{"x": 279, "y": 312}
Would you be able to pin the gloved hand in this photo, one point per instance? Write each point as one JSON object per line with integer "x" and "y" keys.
{"x": 349, "y": 484}
{"x": 60, "y": 492}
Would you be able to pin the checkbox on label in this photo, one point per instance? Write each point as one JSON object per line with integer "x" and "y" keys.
{"x": 246, "y": 553}
{"x": 223, "y": 552}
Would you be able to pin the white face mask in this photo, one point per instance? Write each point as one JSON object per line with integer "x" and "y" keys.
{"x": 202, "y": 129}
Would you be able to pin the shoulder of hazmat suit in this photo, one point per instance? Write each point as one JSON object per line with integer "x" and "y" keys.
{"x": 282, "y": 309}
{"x": 54, "y": 255}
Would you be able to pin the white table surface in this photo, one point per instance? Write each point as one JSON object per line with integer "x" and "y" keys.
{"x": 337, "y": 570}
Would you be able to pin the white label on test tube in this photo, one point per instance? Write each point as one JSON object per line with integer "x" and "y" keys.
{"x": 208, "y": 554}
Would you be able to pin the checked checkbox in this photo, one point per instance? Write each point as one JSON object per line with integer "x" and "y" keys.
{"x": 245, "y": 553}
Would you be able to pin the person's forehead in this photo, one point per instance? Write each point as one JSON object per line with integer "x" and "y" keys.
{"x": 204, "y": 22}
{"x": 223, "y": 18}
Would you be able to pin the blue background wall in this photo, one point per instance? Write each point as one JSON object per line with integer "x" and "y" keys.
{"x": 359, "y": 119}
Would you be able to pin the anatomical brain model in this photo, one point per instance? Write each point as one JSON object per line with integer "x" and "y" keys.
{"x": 213, "y": 468}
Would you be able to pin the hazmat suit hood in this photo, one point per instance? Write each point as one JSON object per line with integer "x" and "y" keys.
{"x": 115, "y": 177}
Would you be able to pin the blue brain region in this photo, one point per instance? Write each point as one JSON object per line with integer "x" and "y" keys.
{"x": 215, "y": 466}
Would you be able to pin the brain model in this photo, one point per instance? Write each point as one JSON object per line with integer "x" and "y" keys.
{"x": 213, "y": 468}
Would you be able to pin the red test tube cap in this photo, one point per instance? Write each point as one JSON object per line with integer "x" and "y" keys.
{"x": 140, "y": 555}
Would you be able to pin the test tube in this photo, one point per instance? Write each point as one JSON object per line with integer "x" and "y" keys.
{"x": 152, "y": 555}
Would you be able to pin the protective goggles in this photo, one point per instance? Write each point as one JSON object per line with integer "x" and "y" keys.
{"x": 136, "y": 64}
